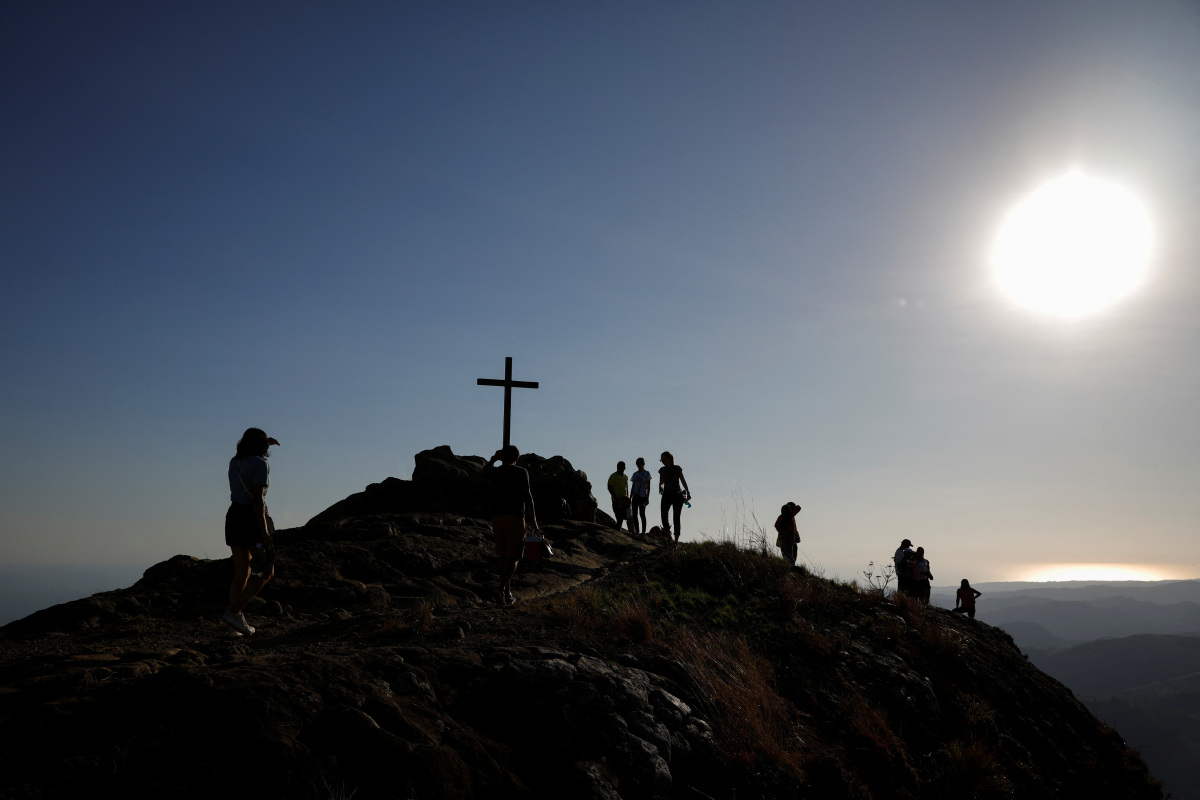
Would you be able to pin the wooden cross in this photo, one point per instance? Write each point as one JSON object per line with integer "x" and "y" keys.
{"x": 508, "y": 383}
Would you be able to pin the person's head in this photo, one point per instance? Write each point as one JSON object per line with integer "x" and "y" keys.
{"x": 620, "y": 466}
{"x": 785, "y": 509}
{"x": 641, "y": 463}
{"x": 508, "y": 454}
{"x": 792, "y": 508}
{"x": 667, "y": 458}
{"x": 965, "y": 585}
{"x": 920, "y": 552}
{"x": 905, "y": 543}
{"x": 254, "y": 442}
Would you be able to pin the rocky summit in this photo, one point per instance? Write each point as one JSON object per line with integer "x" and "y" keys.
{"x": 383, "y": 668}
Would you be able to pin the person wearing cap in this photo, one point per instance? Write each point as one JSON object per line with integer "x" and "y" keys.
{"x": 788, "y": 540}
{"x": 903, "y": 585}
{"x": 248, "y": 526}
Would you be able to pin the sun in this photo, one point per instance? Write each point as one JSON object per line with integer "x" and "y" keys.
{"x": 1074, "y": 246}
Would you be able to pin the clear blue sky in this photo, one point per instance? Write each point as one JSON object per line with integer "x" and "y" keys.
{"x": 753, "y": 234}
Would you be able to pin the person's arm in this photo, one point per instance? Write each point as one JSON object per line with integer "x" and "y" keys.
{"x": 687, "y": 493}
{"x": 977, "y": 592}
{"x": 660, "y": 482}
{"x": 258, "y": 502}
{"x": 611, "y": 494}
{"x": 530, "y": 509}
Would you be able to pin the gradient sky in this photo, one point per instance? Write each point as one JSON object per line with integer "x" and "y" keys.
{"x": 753, "y": 234}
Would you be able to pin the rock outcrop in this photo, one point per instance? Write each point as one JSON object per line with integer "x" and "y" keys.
{"x": 631, "y": 669}
{"x": 445, "y": 482}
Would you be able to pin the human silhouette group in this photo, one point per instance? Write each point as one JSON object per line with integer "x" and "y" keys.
{"x": 249, "y": 527}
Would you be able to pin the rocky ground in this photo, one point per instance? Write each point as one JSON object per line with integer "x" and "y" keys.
{"x": 383, "y": 668}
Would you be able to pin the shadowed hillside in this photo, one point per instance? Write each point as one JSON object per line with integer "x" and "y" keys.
{"x": 629, "y": 670}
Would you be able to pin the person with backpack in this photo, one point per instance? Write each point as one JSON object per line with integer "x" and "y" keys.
{"x": 512, "y": 500}
{"x": 964, "y": 599}
{"x": 248, "y": 526}
{"x": 923, "y": 576}
{"x": 674, "y": 490}
{"x": 788, "y": 538}
{"x": 640, "y": 495}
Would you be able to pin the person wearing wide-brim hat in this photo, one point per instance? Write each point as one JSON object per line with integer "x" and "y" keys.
{"x": 788, "y": 539}
{"x": 903, "y": 584}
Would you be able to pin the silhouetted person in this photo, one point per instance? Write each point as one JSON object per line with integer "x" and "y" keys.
{"x": 640, "y": 496}
{"x": 789, "y": 534}
{"x": 674, "y": 490}
{"x": 923, "y": 576}
{"x": 618, "y": 491}
{"x": 902, "y": 585}
{"x": 964, "y": 599}
{"x": 511, "y": 501}
{"x": 248, "y": 526}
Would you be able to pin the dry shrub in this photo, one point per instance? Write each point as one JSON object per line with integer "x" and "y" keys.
{"x": 972, "y": 770}
{"x": 910, "y": 609}
{"x": 871, "y": 725}
{"x": 752, "y": 724}
{"x": 591, "y": 614}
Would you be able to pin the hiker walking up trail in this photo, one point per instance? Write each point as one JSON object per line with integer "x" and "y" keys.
{"x": 640, "y": 495}
{"x": 674, "y": 490}
{"x": 923, "y": 576}
{"x": 902, "y": 582}
{"x": 788, "y": 540}
{"x": 964, "y": 599}
{"x": 511, "y": 501}
{"x": 248, "y": 526}
{"x": 618, "y": 491}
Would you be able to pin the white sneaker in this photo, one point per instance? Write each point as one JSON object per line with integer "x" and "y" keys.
{"x": 237, "y": 622}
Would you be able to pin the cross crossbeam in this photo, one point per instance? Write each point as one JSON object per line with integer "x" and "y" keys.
{"x": 509, "y": 384}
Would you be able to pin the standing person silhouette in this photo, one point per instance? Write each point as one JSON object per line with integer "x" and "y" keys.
{"x": 964, "y": 599}
{"x": 511, "y": 501}
{"x": 674, "y": 490}
{"x": 923, "y": 576}
{"x": 640, "y": 495}
{"x": 618, "y": 492}
{"x": 248, "y": 526}
{"x": 789, "y": 535}
{"x": 902, "y": 580}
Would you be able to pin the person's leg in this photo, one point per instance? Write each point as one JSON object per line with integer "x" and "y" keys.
{"x": 507, "y": 571}
{"x": 678, "y": 506}
{"x": 665, "y": 508}
{"x": 241, "y": 574}
{"x": 971, "y": 612}
{"x": 642, "y": 510}
{"x": 254, "y": 585}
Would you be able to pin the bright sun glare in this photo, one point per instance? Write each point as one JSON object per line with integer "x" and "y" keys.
{"x": 1076, "y": 245}
{"x": 1094, "y": 572}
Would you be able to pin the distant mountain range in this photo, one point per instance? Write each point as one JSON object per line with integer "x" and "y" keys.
{"x": 1043, "y": 616}
{"x": 1130, "y": 650}
{"x": 1148, "y": 688}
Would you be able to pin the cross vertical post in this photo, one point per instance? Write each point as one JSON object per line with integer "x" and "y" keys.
{"x": 508, "y": 383}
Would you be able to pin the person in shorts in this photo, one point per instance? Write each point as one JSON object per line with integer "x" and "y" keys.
{"x": 639, "y": 494}
{"x": 512, "y": 501}
{"x": 618, "y": 491}
{"x": 248, "y": 526}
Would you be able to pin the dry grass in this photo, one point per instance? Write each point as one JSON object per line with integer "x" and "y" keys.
{"x": 753, "y": 726}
